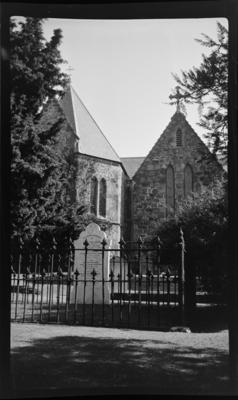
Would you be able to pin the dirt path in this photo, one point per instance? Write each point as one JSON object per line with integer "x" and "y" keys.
{"x": 79, "y": 360}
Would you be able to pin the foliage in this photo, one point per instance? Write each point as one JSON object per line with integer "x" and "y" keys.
{"x": 41, "y": 172}
{"x": 34, "y": 66}
{"x": 207, "y": 85}
{"x": 204, "y": 221}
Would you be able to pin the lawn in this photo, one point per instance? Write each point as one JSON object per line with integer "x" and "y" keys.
{"x": 93, "y": 360}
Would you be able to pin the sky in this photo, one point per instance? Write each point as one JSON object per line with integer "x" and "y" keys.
{"x": 122, "y": 71}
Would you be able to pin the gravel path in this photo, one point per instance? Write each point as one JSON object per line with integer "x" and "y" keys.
{"x": 79, "y": 360}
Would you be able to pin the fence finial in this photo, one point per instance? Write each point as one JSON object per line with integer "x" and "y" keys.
{"x": 20, "y": 243}
{"x": 158, "y": 241}
{"x": 122, "y": 242}
{"x": 104, "y": 242}
{"x": 76, "y": 273}
{"x": 85, "y": 243}
{"x": 93, "y": 273}
{"x": 37, "y": 243}
{"x": 54, "y": 244}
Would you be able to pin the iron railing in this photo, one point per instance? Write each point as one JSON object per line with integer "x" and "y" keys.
{"x": 135, "y": 289}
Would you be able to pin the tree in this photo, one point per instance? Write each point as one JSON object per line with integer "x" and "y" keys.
{"x": 41, "y": 173}
{"x": 207, "y": 85}
{"x": 34, "y": 66}
{"x": 204, "y": 220}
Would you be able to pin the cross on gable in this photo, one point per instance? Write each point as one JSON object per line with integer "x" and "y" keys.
{"x": 177, "y": 96}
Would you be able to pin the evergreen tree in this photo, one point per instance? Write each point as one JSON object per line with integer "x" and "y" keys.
{"x": 41, "y": 172}
{"x": 207, "y": 85}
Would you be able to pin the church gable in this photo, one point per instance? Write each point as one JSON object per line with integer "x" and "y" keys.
{"x": 51, "y": 114}
{"x": 178, "y": 164}
{"x": 179, "y": 141}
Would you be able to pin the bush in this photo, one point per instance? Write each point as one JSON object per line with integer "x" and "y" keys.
{"x": 204, "y": 220}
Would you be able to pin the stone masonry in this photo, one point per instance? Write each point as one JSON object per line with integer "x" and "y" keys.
{"x": 112, "y": 172}
{"x": 149, "y": 182}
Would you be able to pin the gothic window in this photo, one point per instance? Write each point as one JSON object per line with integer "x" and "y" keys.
{"x": 102, "y": 198}
{"x": 94, "y": 195}
{"x": 179, "y": 138}
{"x": 170, "y": 195}
{"x": 188, "y": 180}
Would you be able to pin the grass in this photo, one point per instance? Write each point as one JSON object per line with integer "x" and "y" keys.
{"x": 66, "y": 360}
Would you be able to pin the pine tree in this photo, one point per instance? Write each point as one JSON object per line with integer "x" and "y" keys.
{"x": 41, "y": 172}
{"x": 207, "y": 85}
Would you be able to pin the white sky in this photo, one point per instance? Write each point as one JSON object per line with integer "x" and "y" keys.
{"x": 122, "y": 72}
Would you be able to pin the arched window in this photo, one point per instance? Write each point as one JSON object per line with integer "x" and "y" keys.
{"x": 170, "y": 195}
{"x": 179, "y": 138}
{"x": 94, "y": 195}
{"x": 102, "y": 198}
{"x": 188, "y": 180}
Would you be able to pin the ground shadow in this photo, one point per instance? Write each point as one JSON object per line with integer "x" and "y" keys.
{"x": 79, "y": 365}
{"x": 211, "y": 318}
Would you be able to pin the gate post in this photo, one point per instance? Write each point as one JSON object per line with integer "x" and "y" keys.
{"x": 182, "y": 279}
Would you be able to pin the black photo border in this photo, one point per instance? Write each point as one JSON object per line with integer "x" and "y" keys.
{"x": 117, "y": 10}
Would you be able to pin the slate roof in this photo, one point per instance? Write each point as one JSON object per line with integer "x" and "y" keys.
{"x": 132, "y": 164}
{"x": 91, "y": 139}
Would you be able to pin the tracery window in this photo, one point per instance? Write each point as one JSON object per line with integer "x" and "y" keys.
{"x": 170, "y": 191}
{"x": 188, "y": 180}
{"x": 94, "y": 195}
{"x": 102, "y": 198}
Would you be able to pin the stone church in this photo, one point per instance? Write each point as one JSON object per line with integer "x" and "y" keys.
{"x": 134, "y": 194}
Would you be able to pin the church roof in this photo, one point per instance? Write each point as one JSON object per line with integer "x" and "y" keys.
{"x": 91, "y": 139}
{"x": 132, "y": 164}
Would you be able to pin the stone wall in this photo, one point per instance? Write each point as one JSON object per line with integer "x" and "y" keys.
{"x": 66, "y": 137}
{"x": 88, "y": 167}
{"x": 125, "y": 207}
{"x": 149, "y": 183}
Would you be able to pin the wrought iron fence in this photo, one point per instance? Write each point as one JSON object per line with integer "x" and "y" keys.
{"x": 127, "y": 286}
